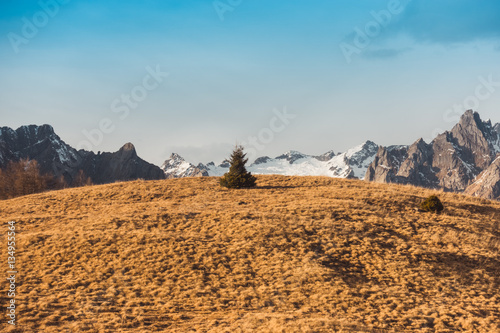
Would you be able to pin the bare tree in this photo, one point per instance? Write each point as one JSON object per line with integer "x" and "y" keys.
{"x": 81, "y": 180}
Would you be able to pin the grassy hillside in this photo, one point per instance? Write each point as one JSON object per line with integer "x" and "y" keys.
{"x": 296, "y": 254}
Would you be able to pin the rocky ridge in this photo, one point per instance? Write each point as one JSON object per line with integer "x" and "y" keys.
{"x": 455, "y": 160}
{"x": 55, "y": 157}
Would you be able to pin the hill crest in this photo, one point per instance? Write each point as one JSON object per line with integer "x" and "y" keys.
{"x": 295, "y": 253}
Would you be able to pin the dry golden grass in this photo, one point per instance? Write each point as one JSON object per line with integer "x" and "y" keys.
{"x": 296, "y": 254}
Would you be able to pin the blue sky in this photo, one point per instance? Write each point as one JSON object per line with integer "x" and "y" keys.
{"x": 389, "y": 71}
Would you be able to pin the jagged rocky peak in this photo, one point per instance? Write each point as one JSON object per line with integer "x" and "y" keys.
{"x": 174, "y": 160}
{"x": 420, "y": 144}
{"x": 417, "y": 167}
{"x": 451, "y": 161}
{"x": 421, "y": 148}
{"x": 122, "y": 165}
{"x": 176, "y": 157}
{"x": 420, "y": 151}
{"x": 359, "y": 154}
{"x": 291, "y": 156}
{"x": 470, "y": 117}
{"x": 386, "y": 164}
{"x": 475, "y": 138}
{"x": 354, "y": 162}
{"x": 28, "y": 135}
{"x": 369, "y": 145}
{"x": 36, "y": 131}
{"x": 326, "y": 156}
{"x": 4, "y": 131}
{"x": 177, "y": 167}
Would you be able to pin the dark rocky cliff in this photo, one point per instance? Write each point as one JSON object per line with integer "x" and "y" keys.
{"x": 55, "y": 157}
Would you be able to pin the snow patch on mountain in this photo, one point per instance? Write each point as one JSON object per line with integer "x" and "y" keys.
{"x": 64, "y": 153}
{"x": 350, "y": 164}
{"x": 291, "y": 164}
{"x": 354, "y": 162}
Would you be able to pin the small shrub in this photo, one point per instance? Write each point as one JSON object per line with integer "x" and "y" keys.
{"x": 432, "y": 204}
{"x": 238, "y": 176}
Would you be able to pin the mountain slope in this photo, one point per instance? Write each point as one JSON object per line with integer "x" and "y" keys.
{"x": 487, "y": 184}
{"x": 39, "y": 143}
{"x": 452, "y": 161}
{"x": 122, "y": 165}
{"x": 297, "y": 254}
{"x": 55, "y": 157}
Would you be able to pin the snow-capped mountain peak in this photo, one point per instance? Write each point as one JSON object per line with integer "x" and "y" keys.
{"x": 177, "y": 167}
{"x": 352, "y": 163}
{"x": 174, "y": 159}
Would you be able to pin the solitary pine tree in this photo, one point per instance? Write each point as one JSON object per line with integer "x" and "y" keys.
{"x": 238, "y": 176}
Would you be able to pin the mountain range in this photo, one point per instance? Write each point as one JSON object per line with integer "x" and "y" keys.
{"x": 350, "y": 164}
{"x": 465, "y": 159}
{"x": 55, "y": 157}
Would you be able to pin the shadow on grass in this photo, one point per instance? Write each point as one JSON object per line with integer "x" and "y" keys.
{"x": 279, "y": 187}
{"x": 461, "y": 266}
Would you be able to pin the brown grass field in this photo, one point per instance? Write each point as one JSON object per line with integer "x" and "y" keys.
{"x": 295, "y": 254}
